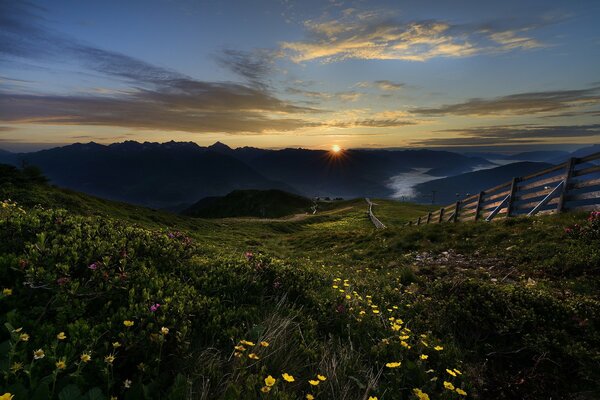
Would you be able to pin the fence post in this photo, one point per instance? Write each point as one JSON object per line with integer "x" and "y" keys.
{"x": 456, "y": 207}
{"x": 441, "y": 215}
{"x": 419, "y": 221}
{"x": 478, "y": 206}
{"x": 511, "y": 199}
{"x": 569, "y": 171}
{"x": 428, "y": 218}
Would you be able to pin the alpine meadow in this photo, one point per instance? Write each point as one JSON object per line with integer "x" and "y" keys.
{"x": 299, "y": 200}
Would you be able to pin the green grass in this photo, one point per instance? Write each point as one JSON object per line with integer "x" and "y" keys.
{"x": 515, "y": 304}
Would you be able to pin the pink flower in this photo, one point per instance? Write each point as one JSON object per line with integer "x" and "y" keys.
{"x": 93, "y": 266}
{"x": 62, "y": 281}
{"x": 154, "y": 307}
{"x": 249, "y": 255}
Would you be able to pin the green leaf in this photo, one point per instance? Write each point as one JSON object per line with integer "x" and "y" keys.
{"x": 94, "y": 394}
{"x": 70, "y": 392}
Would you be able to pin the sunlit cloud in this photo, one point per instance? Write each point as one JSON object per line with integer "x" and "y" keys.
{"x": 375, "y": 36}
{"x": 512, "y": 134}
{"x": 519, "y": 104}
{"x": 385, "y": 85}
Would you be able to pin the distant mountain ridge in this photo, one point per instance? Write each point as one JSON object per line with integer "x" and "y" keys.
{"x": 170, "y": 174}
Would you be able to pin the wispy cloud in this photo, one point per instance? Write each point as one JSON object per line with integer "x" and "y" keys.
{"x": 376, "y": 36}
{"x": 520, "y": 103}
{"x": 511, "y": 134}
{"x": 255, "y": 67}
{"x": 160, "y": 98}
{"x": 385, "y": 85}
{"x": 346, "y": 96}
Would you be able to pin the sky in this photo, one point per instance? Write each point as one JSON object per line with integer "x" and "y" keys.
{"x": 281, "y": 73}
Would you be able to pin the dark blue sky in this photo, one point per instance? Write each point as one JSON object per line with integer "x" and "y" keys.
{"x": 306, "y": 73}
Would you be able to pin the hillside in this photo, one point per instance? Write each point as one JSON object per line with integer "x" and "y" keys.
{"x": 505, "y": 310}
{"x": 250, "y": 203}
{"x": 472, "y": 182}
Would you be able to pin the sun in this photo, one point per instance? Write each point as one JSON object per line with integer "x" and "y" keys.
{"x": 335, "y": 148}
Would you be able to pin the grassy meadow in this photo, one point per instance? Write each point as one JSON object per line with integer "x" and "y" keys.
{"x": 104, "y": 300}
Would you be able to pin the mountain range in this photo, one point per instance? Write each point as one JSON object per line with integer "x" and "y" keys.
{"x": 175, "y": 175}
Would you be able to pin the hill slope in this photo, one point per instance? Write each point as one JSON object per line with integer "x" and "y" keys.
{"x": 250, "y": 203}
{"x": 473, "y": 182}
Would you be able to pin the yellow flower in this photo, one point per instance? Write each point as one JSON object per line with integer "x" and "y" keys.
{"x": 109, "y": 359}
{"x": 6, "y": 396}
{"x": 24, "y": 337}
{"x": 375, "y": 311}
{"x": 247, "y": 343}
{"x": 265, "y": 389}
{"x": 314, "y": 382}
{"x": 321, "y": 378}
{"x": 420, "y": 394}
{"x": 253, "y": 356}
{"x": 7, "y": 291}
{"x": 404, "y": 337}
{"x": 61, "y": 336}
{"x": 85, "y": 357}
{"x": 240, "y": 348}
{"x": 457, "y": 371}
{"x": 373, "y": 398}
{"x": 438, "y": 348}
{"x": 393, "y": 364}
{"x": 116, "y": 345}
{"x": 61, "y": 364}
{"x": 424, "y": 343}
{"x": 423, "y": 356}
{"x": 461, "y": 392}
{"x": 396, "y": 327}
{"x": 38, "y": 354}
{"x": 17, "y": 366}
{"x": 270, "y": 381}
{"x": 237, "y": 354}
{"x": 448, "y": 385}
{"x": 164, "y": 331}
{"x": 404, "y": 344}
{"x": 128, "y": 323}
{"x": 451, "y": 372}
{"x": 264, "y": 344}
{"x": 310, "y": 397}
{"x": 287, "y": 377}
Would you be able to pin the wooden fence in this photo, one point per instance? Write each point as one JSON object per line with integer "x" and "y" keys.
{"x": 572, "y": 185}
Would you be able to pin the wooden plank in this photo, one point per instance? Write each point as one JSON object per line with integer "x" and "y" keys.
{"x": 587, "y": 207}
{"x": 456, "y": 210}
{"x": 496, "y": 196}
{"x": 470, "y": 200}
{"x": 591, "y": 157}
{"x": 511, "y": 196}
{"x": 565, "y": 184}
{"x": 535, "y": 203}
{"x": 584, "y": 184}
{"x": 532, "y": 195}
{"x": 585, "y": 171}
{"x": 552, "y": 181}
{"x": 468, "y": 212}
{"x": 497, "y": 209}
{"x": 544, "y": 172}
{"x": 584, "y": 196}
{"x": 490, "y": 206}
{"x": 478, "y": 207}
{"x": 495, "y": 188}
{"x": 546, "y": 200}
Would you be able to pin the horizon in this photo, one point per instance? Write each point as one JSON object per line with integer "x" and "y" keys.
{"x": 515, "y": 77}
{"x": 505, "y": 150}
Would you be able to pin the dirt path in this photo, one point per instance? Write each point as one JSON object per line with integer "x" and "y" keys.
{"x": 291, "y": 218}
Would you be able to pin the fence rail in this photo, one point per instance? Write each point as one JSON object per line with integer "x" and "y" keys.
{"x": 572, "y": 185}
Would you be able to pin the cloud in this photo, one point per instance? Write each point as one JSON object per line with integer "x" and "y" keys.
{"x": 519, "y": 104}
{"x": 375, "y": 36}
{"x": 160, "y": 98}
{"x": 347, "y": 96}
{"x": 370, "y": 123}
{"x": 255, "y": 67}
{"x": 511, "y": 134}
{"x": 382, "y": 85}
